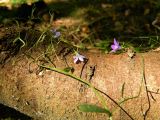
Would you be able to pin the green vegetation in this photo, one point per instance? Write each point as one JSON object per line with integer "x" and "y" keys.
{"x": 127, "y": 21}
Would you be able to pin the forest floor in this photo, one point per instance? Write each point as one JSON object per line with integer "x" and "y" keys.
{"x": 87, "y": 24}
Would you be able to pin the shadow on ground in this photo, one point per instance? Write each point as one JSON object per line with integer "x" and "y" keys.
{"x": 7, "y": 113}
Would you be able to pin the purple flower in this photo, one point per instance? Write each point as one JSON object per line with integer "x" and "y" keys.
{"x": 115, "y": 46}
{"x": 55, "y": 33}
{"x": 79, "y": 58}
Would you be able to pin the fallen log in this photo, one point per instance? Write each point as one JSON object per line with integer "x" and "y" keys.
{"x": 132, "y": 83}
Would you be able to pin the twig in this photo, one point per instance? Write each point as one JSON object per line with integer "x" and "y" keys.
{"x": 85, "y": 62}
{"x": 82, "y": 85}
{"x": 154, "y": 92}
{"x": 147, "y": 92}
{"x": 152, "y": 96}
{"x": 91, "y": 72}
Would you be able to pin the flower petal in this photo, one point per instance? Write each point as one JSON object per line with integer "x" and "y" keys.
{"x": 114, "y": 47}
{"x": 75, "y": 60}
{"x": 81, "y": 58}
{"x": 57, "y": 34}
{"x": 116, "y": 42}
{"x": 78, "y": 58}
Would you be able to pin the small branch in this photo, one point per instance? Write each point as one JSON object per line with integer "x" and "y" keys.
{"x": 85, "y": 62}
{"x": 152, "y": 96}
{"x": 147, "y": 92}
{"x": 154, "y": 92}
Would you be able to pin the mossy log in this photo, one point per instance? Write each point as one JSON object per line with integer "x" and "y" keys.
{"x": 48, "y": 95}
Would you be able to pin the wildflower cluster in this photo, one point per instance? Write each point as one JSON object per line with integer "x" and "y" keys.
{"x": 80, "y": 58}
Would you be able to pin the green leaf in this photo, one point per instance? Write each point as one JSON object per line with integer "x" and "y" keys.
{"x": 93, "y": 108}
{"x": 68, "y": 69}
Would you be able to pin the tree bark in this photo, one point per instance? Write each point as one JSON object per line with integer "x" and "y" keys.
{"x": 49, "y": 95}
